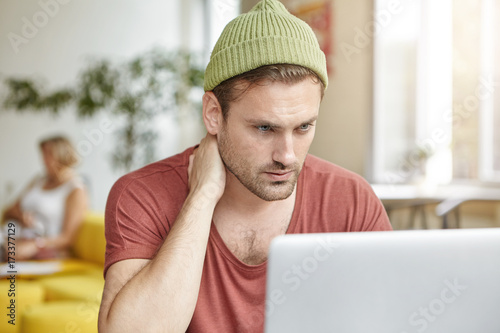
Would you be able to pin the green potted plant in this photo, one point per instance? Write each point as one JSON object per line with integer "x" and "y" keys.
{"x": 137, "y": 91}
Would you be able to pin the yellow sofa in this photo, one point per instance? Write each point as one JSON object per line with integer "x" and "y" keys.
{"x": 67, "y": 300}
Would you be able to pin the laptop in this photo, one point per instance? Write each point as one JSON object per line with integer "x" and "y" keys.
{"x": 432, "y": 281}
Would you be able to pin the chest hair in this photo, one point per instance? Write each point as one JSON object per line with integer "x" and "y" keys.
{"x": 251, "y": 245}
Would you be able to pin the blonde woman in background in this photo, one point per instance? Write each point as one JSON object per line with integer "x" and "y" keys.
{"x": 50, "y": 210}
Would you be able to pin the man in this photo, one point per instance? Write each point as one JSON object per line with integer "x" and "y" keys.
{"x": 187, "y": 237}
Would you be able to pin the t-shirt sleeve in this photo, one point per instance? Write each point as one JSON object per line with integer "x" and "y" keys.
{"x": 372, "y": 212}
{"x": 135, "y": 224}
{"x": 338, "y": 200}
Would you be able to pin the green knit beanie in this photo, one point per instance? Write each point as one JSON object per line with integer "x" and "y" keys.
{"x": 266, "y": 35}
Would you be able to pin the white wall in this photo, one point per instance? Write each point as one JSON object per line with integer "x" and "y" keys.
{"x": 344, "y": 124}
{"x": 77, "y": 30}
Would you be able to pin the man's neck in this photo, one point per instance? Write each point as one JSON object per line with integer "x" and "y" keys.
{"x": 247, "y": 224}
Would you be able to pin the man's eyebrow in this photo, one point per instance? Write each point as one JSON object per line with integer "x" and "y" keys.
{"x": 312, "y": 120}
{"x": 260, "y": 122}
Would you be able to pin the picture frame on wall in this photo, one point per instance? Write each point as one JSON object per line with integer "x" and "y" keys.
{"x": 319, "y": 15}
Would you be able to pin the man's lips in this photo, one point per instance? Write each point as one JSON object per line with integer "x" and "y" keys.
{"x": 279, "y": 175}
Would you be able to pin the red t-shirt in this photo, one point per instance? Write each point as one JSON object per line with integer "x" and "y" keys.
{"x": 143, "y": 205}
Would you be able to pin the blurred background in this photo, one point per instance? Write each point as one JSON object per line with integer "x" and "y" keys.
{"x": 412, "y": 104}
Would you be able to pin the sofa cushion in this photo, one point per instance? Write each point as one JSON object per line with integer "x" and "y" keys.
{"x": 61, "y": 316}
{"x": 73, "y": 287}
{"x": 27, "y": 293}
{"x": 90, "y": 243}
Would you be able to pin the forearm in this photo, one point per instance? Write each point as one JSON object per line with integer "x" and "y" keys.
{"x": 59, "y": 243}
{"x": 12, "y": 213}
{"x": 162, "y": 296}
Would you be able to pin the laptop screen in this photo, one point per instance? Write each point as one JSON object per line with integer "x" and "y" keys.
{"x": 434, "y": 281}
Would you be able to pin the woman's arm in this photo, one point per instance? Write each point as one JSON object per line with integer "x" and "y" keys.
{"x": 15, "y": 212}
{"x": 76, "y": 206}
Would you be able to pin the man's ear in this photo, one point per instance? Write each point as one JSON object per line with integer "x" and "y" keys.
{"x": 212, "y": 113}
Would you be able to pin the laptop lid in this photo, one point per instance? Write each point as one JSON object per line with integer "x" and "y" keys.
{"x": 433, "y": 281}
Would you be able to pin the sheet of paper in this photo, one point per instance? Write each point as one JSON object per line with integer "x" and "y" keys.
{"x": 30, "y": 268}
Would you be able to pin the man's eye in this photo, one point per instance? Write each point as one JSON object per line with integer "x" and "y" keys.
{"x": 264, "y": 128}
{"x": 305, "y": 127}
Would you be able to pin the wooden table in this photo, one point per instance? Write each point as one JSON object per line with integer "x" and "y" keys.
{"x": 448, "y": 197}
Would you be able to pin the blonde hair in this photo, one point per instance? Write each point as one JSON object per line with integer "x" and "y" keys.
{"x": 62, "y": 150}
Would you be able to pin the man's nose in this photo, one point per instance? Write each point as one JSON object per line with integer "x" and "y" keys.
{"x": 283, "y": 150}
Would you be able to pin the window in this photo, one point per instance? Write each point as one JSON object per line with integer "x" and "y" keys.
{"x": 412, "y": 92}
{"x": 490, "y": 106}
{"x": 436, "y": 106}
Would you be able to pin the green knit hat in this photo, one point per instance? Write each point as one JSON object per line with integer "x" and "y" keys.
{"x": 266, "y": 35}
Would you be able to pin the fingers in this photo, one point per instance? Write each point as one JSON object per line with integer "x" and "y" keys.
{"x": 206, "y": 167}
{"x": 190, "y": 167}
{"x": 27, "y": 219}
{"x": 26, "y": 250}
